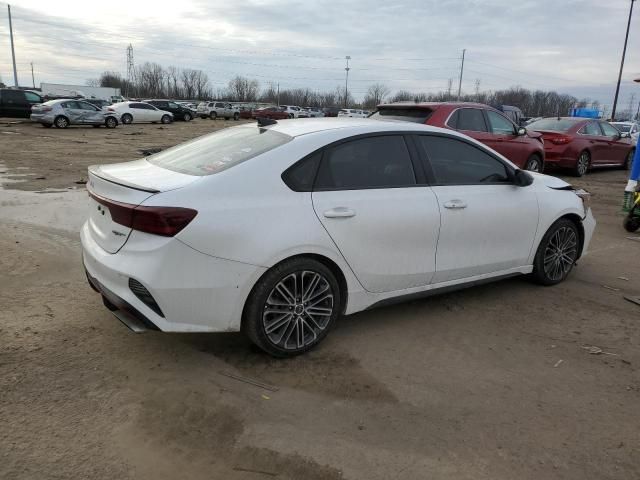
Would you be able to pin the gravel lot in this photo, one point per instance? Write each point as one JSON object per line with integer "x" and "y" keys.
{"x": 493, "y": 382}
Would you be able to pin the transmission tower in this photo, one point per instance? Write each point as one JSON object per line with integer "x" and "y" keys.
{"x": 130, "y": 70}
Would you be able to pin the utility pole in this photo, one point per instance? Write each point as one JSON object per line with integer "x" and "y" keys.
{"x": 130, "y": 70}
{"x": 461, "y": 72}
{"x": 346, "y": 82}
{"x": 624, "y": 52}
{"x": 33, "y": 78}
{"x": 278, "y": 94}
{"x": 13, "y": 52}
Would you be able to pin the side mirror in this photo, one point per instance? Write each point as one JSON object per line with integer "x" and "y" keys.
{"x": 522, "y": 131}
{"x": 522, "y": 178}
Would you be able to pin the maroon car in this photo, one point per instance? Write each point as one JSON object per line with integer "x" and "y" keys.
{"x": 583, "y": 143}
{"x": 482, "y": 122}
{"x": 274, "y": 113}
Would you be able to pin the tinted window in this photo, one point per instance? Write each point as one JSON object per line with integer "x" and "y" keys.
{"x": 32, "y": 97}
{"x": 471, "y": 119}
{"x": 300, "y": 176}
{"x": 453, "y": 119}
{"x": 591, "y": 128}
{"x": 499, "y": 124}
{"x": 218, "y": 151}
{"x": 554, "y": 124}
{"x": 609, "y": 130}
{"x": 219, "y": 105}
{"x": 146, "y": 106}
{"x": 455, "y": 162}
{"x": 135, "y": 105}
{"x": 374, "y": 162}
{"x": 86, "y": 106}
{"x": 13, "y": 96}
{"x": 173, "y": 105}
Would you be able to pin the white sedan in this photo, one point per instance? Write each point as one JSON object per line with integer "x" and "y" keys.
{"x": 352, "y": 113}
{"x": 278, "y": 230}
{"x": 139, "y": 112}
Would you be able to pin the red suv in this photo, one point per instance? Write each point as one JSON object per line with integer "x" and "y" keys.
{"x": 479, "y": 121}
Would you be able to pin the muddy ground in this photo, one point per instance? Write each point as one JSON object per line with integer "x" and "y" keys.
{"x": 492, "y": 382}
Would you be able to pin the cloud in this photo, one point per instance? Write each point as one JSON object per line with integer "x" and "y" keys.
{"x": 570, "y": 46}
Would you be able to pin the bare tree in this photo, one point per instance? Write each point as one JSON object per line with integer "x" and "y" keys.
{"x": 189, "y": 82}
{"x": 241, "y": 89}
{"x": 376, "y": 94}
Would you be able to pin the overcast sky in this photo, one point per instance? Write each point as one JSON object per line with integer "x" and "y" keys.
{"x": 572, "y": 46}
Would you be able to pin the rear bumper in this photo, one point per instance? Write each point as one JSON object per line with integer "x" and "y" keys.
{"x": 195, "y": 292}
{"x": 42, "y": 118}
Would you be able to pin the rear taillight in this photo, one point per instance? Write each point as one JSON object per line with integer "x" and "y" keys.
{"x": 560, "y": 139}
{"x": 165, "y": 221}
{"x": 109, "y": 109}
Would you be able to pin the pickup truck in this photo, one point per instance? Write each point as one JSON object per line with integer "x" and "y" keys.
{"x": 215, "y": 110}
{"x": 17, "y": 103}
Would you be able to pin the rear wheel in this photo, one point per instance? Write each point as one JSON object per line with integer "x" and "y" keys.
{"x": 213, "y": 115}
{"x": 534, "y": 164}
{"x": 236, "y": 116}
{"x": 111, "y": 122}
{"x": 582, "y": 165}
{"x": 165, "y": 119}
{"x": 292, "y": 307}
{"x": 127, "y": 118}
{"x": 557, "y": 253}
{"x": 631, "y": 223}
{"x": 61, "y": 122}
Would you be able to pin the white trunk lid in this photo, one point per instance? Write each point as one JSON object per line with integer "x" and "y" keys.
{"x": 128, "y": 184}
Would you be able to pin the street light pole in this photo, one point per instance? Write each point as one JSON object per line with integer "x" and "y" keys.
{"x": 624, "y": 52}
{"x": 13, "y": 52}
{"x": 346, "y": 82}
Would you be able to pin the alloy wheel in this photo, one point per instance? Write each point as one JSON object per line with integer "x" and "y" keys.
{"x": 583, "y": 163}
{"x": 298, "y": 309}
{"x": 533, "y": 165}
{"x": 560, "y": 253}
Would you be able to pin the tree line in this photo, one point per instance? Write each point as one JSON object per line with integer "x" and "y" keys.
{"x": 152, "y": 80}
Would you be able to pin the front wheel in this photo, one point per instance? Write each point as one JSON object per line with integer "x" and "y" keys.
{"x": 127, "y": 118}
{"x": 582, "y": 165}
{"x": 187, "y": 117}
{"x": 534, "y": 164}
{"x": 165, "y": 119}
{"x": 557, "y": 253}
{"x": 111, "y": 122}
{"x": 292, "y": 307}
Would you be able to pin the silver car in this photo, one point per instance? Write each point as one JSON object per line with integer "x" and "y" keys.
{"x": 63, "y": 113}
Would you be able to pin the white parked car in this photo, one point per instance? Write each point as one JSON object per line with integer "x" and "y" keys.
{"x": 295, "y": 112}
{"x": 279, "y": 230}
{"x": 632, "y": 128}
{"x": 314, "y": 112}
{"x": 352, "y": 113}
{"x": 215, "y": 110}
{"x": 139, "y": 112}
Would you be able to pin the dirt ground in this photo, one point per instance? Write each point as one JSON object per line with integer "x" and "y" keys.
{"x": 493, "y": 382}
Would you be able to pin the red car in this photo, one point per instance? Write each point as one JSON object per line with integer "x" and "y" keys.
{"x": 274, "y": 113}
{"x": 479, "y": 121}
{"x": 583, "y": 143}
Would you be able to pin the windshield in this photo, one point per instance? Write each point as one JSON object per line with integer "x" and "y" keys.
{"x": 554, "y": 124}
{"x": 622, "y": 127}
{"x": 218, "y": 151}
{"x": 417, "y": 115}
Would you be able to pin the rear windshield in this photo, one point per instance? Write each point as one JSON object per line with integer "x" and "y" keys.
{"x": 417, "y": 115}
{"x": 218, "y": 151}
{"x": 554, "y": 124}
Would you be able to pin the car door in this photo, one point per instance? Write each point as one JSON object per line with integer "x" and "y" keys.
{"x": 73, "y": 111}
{"x": 90, "y": 114}
{"x": 379, "y": 212}
{"x": 617, "y": 148}
{"x": 15, "y": 104}
{"x": 487, "y": 222}
{"x": 593, "y": 139}
{"x": 505, "y": 139}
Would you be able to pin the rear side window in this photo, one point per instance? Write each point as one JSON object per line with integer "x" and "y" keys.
{"x": 591, "y": 128}
{"x": 372, "y": 162}
{"x": 609, "y": 130}
{"x": 554, "y": 124}
{"x": 219, "y": 151}
{"x": 471, "y": 119}
{"x": 455, "y": 162}
{"x": 32, "y": 97}
{"x": 300, "y": 176}
{"x": 13, "y": 96}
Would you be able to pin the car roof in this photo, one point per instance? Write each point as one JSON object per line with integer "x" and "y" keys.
{"x": 410, "y": 104}
{"x": 304, "y": 126}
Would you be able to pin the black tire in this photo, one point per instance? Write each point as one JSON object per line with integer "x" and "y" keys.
{"x": 165, "y": 119}
{"x": 582, "y": 164}
{"x": 557, "y": 253}
{"x": 213, "y": 115}
{"x": 291, "y": 115}
{"x": 126, "y": 119}
{"x": 534, "y": 164}
{"x": 631, "y": 223}
{"x": 111, "y": 122}
{"x": 61, "y": 122}
{"x": 292, "y": 318}
{"x": 629, "y": 160}
{"x": 236, "y": 116}
{"x": 187, "y": 117}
